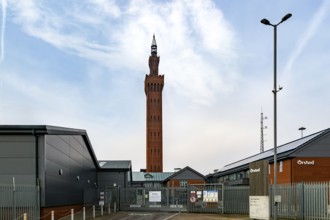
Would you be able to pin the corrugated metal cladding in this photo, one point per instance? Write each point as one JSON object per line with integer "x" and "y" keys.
{"x": 69, "y": 169}
{"x": 17, "y": 159}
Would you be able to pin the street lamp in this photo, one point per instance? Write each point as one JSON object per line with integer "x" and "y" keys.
{"x": 266, "y": 22}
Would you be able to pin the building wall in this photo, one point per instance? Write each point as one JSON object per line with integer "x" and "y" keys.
{"x": 108, "y": 178}
{"x": 283, "y": 176}
{"x": 154, "y": 130}
{"x": 69, "y": 170}
{"x": 310, "y": 169}
{"x": 18, "y": 160}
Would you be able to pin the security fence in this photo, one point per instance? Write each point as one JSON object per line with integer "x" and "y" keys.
{"x": 236, "y": 199}
{"x": 213, "y": 198}
{"x": 17, "y": 200}
{"x": 303, "y": 201}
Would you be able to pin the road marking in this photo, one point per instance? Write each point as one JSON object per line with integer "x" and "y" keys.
{"x": 140, "y": 214}
{"x": 171, "y": 216}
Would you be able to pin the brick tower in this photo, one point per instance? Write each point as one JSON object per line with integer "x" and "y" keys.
{"x": 153, "y": 87}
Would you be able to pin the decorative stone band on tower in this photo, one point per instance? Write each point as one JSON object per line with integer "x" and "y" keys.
{"x": 153, "y": 87}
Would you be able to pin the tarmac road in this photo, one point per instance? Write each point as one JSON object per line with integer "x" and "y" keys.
{"x": 168, "y": 216}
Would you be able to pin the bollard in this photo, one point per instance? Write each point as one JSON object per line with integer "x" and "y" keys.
{"x": 84, "y": 213}
{"x": 109, "y": 210}
{"x": 72, "y": 214}
{"x": 114, "y": 207}
{"x": 93, "y": 211}
{"x": 25, "y": 216}
{"x": 52, "y": 215}
{"x": 101, "y": 210}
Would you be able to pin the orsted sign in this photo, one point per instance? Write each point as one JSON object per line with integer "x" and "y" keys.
{"x": 305, "y": 162}
{"x": 255, "y": 170}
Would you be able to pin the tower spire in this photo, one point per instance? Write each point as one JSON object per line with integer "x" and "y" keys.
{"x": 154, "y": 46}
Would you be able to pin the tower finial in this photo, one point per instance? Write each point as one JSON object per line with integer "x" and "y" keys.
{"x": 154, "y": 46}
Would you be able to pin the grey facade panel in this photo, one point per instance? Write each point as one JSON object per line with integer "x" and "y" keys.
{"x": 17, "y": 159}
{"x": 57, "y": 156}
{"x": 17, "y": 165}
{"x": 7, "y": 179}
{"x": 107, "y": 179}
{"x": 17, "y": 138}
{"x": 67, "y": 188}
{"x": 318, "y": 148}
{"x": 17, "y": 149}
{"x": 59, "y": 143}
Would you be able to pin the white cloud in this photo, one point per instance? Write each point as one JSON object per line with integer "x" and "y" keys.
{"x": 312, "y": 29}
{"x": 3, "y": 29}
{"x": 186, "y": 32}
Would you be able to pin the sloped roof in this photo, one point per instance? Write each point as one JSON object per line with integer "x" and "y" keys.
{"x": 150, "y": 177}
{"x": 183, "y": 170}
{"x": 283, "y": 150}
{"x": 49, "y": 130}
{"x": 115, "y": 164}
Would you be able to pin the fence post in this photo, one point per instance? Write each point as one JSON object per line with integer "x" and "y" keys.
{"x": 25, "y": 216}
{"x": 52, "y": 215}
{"x": 101, "y": 210}
{"x": 84, "y": 213}
{"x": 93, "y": 211}
{"x": 114, "y": 206}
{"x": 109, "y": 209}
{"x": 72, "y": 214}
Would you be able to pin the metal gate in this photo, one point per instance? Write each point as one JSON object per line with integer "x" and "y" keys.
{"x": 206, "y": 198}
{"x": 212, "y": 198}
{"x": 153, "y": 199}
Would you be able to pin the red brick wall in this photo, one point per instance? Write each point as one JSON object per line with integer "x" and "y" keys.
{"x": 284, "y": 176}
{"x": 309, "y": 169}
{"x": 59, "y": 212}
{"x": 154, "y": 120}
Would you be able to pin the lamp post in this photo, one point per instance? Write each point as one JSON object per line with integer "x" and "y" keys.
{"x": 275, "y": 90}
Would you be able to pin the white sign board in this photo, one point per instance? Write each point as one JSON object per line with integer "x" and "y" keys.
{"x": 155, "y": 196}
{"x": 210, "y": 196}
{"x": 259, "y": 207}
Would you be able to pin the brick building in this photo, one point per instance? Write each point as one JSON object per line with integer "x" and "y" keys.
{"x": 153, "y": 87}
{"x": 304, "y": 160}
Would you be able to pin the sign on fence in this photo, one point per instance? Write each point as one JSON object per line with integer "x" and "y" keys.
{"x": 259, "y": 207}
{"x": 155, "y": 196}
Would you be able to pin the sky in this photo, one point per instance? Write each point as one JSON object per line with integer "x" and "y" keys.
{"x": 82, "y": 64}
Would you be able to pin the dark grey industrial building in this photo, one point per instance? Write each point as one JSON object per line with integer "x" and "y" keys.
{"x": 116, "y": 173}
{"x": 60, "y": 160}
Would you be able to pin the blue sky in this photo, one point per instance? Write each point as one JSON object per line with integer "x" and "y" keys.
{"x": 82, "y": 64}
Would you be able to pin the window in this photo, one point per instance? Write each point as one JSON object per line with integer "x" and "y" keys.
{"x": 183, "y": 183}
{"x": 232, "y": 177}
{"x": 281, "y": 167}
